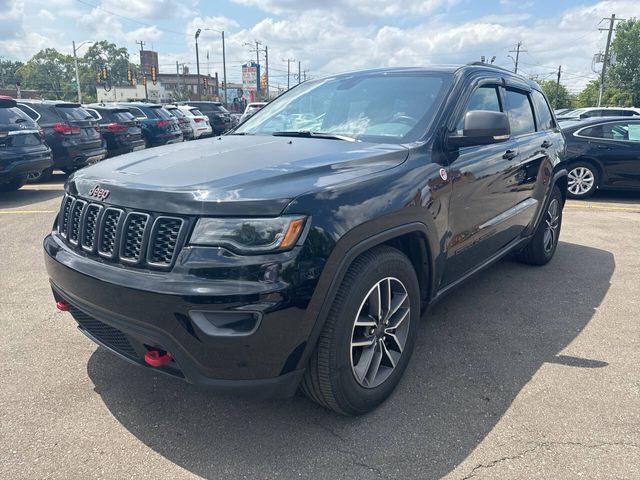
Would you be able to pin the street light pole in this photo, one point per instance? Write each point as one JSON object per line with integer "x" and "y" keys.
{"x": 198, "y": 63}
{"x": 75, "y": 60}
{"x": 224, "y": 71}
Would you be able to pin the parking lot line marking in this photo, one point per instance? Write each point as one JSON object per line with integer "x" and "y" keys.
{"x": 605, "y": 207}
{"x": 25, "y": 212}
{"x": 43, "y": 187}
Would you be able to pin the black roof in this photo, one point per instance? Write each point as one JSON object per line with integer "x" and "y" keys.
{"x": 55, "y": 103}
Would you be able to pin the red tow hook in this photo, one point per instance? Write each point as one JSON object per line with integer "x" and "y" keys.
{"x": 156, "y": 359}
{"x": 63, "y": 306}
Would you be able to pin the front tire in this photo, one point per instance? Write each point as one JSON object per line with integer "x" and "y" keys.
{"x": 582, "y": 180}
{"x": 368, "y": 336}
{"x": 543, "y": 244}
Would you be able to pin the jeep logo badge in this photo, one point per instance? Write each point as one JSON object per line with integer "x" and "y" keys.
{"x": 99, "y": 193}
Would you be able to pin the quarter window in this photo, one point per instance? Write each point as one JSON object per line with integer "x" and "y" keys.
{"x": 625, "y": 131}
{"x": 545, "y": 120}
{"x": 520, "y": 113}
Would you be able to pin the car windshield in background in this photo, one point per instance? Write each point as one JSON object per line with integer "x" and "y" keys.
{"x": 377, "y": 107}
{"x": 176, "y": 112}
{"x": 196, "y": 112}
{"x": 122, "y": 117}
{"x": 74, "y": 114}
{"x": 13, "y": 115}
{"x": 161, "y": 113}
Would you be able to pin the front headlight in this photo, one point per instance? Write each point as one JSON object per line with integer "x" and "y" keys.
{"x": 249, "y": 235}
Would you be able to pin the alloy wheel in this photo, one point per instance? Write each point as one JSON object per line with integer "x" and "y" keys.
{"x": 581, "y": 180}
{"x": 33, "y": 176}
{"x": 380, "y": 332}
{"x": 552, "y": 220}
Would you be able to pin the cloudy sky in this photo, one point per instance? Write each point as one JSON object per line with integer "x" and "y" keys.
{"x": 327, "y": 36}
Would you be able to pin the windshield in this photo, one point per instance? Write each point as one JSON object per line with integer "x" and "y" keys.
{"x": 161, "y": 113}
{"x": 370, "y": 107}
{"x": 176, "y": 112}
{"x": 74, "y": 114}
{"x": 14, "y": 115}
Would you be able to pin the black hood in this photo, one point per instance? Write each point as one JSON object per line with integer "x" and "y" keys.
{"x": 232, "y": 175}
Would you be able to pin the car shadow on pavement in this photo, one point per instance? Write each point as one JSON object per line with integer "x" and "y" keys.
{"x": 28, "y": 197}
{"x": 476, "y": 350}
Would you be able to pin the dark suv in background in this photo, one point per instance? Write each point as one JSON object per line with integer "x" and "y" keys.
{"x": 159, "y": 127}
{"x": 22, "y": 148}
{"x": 118, "y": 127}
{"x": 183, "y": 121}
{"x": 219, "y": 117}
{"x": 310, "y": 264}
{"x": 70, "y": 131}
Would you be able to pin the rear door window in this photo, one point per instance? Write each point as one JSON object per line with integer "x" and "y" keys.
{"x": 624, "y": 131}
{"x": 93, "y": 113}
{"x": 545, "y": 119}
{"x": 122, "y": 117}
{"x": 520, "y": 112}
{"x": 137, "y": 112}
{"x": 196, "y": 112}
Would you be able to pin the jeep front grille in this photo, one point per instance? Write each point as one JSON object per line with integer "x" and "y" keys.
{"x": 142, "y": 239}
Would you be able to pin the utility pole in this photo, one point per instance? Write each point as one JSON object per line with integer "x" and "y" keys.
{"x": 612, "y": 21}
{"x": 75, "y": 60}
{"x": 517, "y": 52}
{"x": 224, "y": 71}
{"x": 555, "y": 104}
{"x": 198, "y": 63}
{"x": 299, "y": 76}
{"x": 177, "y": 78}
{"x": 266, "y": 70}
{"x": 288, "y": 60}
{"x": 142, "y": 70}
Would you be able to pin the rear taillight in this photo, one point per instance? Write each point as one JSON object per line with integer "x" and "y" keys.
{"x": 163, "y": 123}
{"x": 116, "y": 128}
{"x": 198, "y": 120}
{"x": 66, "y": 129}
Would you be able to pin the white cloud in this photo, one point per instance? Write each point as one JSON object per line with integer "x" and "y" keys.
{"x": 11, "y": 18}
{"x": 46, "y": 15}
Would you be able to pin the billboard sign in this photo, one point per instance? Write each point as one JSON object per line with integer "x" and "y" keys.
{"x": 251, "y": 77}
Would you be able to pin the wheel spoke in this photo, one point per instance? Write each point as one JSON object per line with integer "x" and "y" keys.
{"x": 393, "y": 339}
{"x": 375, "y": 303}
{"x": 363, "y": 341}
{"x": 374, "y": 365}
{"x": 364, "y": 363}
{"x": 365, "y": 321}
{"x": 387, "y": 354}
{"x": 398, "y": 318}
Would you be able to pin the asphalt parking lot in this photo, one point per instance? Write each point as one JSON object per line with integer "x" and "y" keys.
{"x": 521, "y": 373}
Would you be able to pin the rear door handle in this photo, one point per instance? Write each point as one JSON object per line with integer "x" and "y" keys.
{"x": 602, "y": 147}
{"x": 546, "y": 144}
{"x": 510, "y": 154}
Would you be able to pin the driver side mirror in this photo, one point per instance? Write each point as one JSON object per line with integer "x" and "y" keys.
{"x": 482, "y": 127}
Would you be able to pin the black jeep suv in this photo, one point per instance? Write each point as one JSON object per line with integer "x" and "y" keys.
{"x": 70, "y": 131}
{"x": 302, "y": 248}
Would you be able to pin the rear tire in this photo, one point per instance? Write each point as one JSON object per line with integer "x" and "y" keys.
{"x": 342, "y": 374}
{"x": 543, "y": 244}
{"x": 14, "y": 184}
{"x": 583, "y": 180}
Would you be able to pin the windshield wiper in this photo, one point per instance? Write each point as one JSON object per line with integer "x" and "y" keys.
{"x": 240, "y": 133}
{"x": 309, "y": 134}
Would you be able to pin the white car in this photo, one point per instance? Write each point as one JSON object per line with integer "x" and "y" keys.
{"x": 252, "y": 108}
{"x": 199, "y": 122}
{"x": 590, "y": 112}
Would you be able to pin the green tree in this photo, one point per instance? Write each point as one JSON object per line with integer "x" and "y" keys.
{"x": 51, "y": 73}
{"x": 558, "y": 95}
{"x": 611, "y": 97}
{"x": 625, "y": 74}
{"x": 104, "y": 54}
{"x": 8, "y": 73}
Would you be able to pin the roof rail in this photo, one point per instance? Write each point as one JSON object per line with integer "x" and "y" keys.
{"x": 484, "y": 64}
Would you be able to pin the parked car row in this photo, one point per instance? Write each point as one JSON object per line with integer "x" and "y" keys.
{"x": 38, "y": 136}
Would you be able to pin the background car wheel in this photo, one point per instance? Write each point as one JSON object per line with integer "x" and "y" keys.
{"x": 583, "y": 180}
{"x": 39, "y": 177}
{"x": 368, "y": 336}
{"x": 543, "y": 244}
{"x": 14, "y": 184}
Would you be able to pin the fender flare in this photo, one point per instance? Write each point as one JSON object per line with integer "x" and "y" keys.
{"x": 339, "y": 262}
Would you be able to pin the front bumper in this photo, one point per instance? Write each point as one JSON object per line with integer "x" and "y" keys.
{"x": 132, "y": 311}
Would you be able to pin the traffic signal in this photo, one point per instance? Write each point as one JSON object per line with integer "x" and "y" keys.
{"x": 154, "y": 75}
{"x": 144, "y": 80}
{"x": 104, "y": 72}
{"x": 130, "y": 76}
{"x": 263, "y": 81}
{"x": 205, "y": 83}
{"x": 99, "y": 78}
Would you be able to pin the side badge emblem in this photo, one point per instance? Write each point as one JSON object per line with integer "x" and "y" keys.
{"x": 443, "y": 174}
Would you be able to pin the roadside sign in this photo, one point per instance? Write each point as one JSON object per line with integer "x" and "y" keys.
{"x": 251, "y": 77}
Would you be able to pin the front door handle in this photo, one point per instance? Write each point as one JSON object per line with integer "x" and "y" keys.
{"x": 510, "y": 154}
{"x": 602, "y": 147}
{"x": 546, "y": 144}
